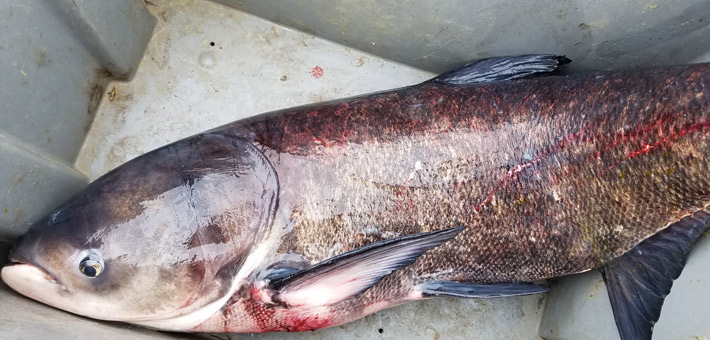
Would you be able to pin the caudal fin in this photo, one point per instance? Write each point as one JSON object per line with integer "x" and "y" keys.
{"x": 639, "y": 280}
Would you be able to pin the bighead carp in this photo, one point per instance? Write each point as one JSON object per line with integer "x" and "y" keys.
{"x": 478, "y": 184}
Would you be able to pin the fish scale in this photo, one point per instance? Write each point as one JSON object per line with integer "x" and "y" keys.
{"x": 580, "y": 156}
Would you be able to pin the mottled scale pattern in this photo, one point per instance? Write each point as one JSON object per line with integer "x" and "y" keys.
{"x": 551, "y": 175}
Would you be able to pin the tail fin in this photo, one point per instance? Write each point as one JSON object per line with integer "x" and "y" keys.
{"x": 639, "y": 280}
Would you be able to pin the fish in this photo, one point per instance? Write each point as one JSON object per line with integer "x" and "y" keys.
{"x": 483, "y": 182}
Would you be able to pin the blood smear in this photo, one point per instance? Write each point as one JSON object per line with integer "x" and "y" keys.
{"x": 317, "y": 72}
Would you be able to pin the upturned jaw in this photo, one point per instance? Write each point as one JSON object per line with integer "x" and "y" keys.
{"x": 20, "y": 273}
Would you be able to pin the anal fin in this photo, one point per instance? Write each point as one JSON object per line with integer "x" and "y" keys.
{"x": 639, "y": 280}
{"x": 479, "y": 290}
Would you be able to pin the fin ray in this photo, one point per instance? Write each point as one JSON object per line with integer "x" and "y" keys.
{"x": 343, "y": 276}
{"x": 479, "y": 290}
{"x": 639, "y": 280}
{"x": 503, "y": 68}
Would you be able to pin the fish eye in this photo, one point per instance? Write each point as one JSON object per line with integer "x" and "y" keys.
{"x": 91, "y": 266}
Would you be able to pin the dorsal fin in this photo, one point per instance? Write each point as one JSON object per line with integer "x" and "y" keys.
{"x": 639, "y": 280}
{"x": 503, "y": 68}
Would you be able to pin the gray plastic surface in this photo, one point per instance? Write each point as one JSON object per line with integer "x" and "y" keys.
{"x": 439, "y": 35}
{"x": 115, "y": 32}
{"x": 207, "y": 65}
{"x": 578, "y": 306}
{"x": 55, "y": 59}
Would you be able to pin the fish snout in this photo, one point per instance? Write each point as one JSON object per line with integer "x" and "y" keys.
{"x": 15, "y": 257}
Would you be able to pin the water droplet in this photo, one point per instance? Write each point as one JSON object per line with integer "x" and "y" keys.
{"x": 207, "y": 59}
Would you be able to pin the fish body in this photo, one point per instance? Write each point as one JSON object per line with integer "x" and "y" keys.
{"x": 474, "y": 184}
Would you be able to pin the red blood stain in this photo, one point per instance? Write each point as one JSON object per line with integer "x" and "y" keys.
{"x": 317, "y": 72}
{"x": 307, "y": 323}
{"x": 270, "y": 319}
{"x": 619, "y": 139}
{"x": 512, "y": 174}
{"x": 255, "y": 292}
{"x": 262, "y": 315}
{"x": 672, "y": 136}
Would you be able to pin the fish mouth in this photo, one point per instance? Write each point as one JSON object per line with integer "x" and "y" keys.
{"x": 18, "y": 259}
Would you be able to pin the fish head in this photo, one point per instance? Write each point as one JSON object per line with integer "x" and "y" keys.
{"x": 154, "y": 242}
{"x": 80, "y": 260}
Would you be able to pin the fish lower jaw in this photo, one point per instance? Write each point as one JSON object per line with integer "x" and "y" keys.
{"x": 18, "y": 259}
{"x": 31, "y": 281}
{"x": 48, "y": 277}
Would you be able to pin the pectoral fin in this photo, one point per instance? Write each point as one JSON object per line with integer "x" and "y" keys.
{"x": 479, "y": 290}
{"x": 343, "y": 276}
{"x": 503, "y": 68}
{"x": 639, "y": 280}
